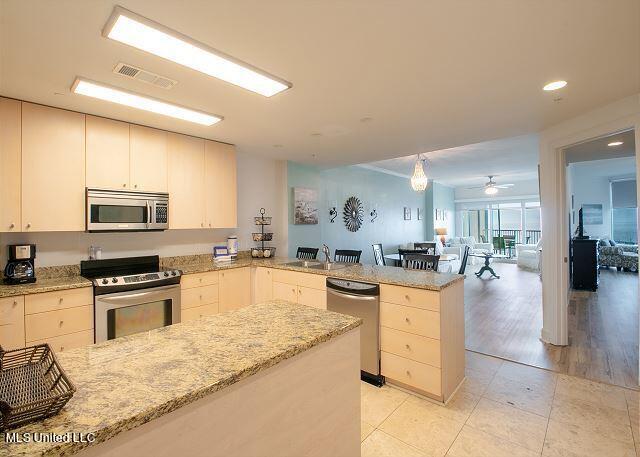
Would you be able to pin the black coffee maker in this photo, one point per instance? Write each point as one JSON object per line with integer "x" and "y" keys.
{"x": 21, "y": 265}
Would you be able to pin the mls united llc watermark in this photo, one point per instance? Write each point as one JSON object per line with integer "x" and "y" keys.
{"x": 39, "y": 437}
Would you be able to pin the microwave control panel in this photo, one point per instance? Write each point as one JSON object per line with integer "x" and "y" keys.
{"x": 161, "y": 213}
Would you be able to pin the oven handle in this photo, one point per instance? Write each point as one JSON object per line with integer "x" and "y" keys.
{"x": 128, "y": 297}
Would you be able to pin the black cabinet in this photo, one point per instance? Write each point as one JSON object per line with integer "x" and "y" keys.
{"x": 584, "y": 264}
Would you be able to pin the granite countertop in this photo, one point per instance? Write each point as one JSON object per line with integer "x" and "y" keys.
{"x": 126, "y": 382}
{"x": 44, "y": 285}
{"x": 368, "y": 273}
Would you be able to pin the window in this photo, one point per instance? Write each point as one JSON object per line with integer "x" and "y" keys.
{"x": 624, "y": 211}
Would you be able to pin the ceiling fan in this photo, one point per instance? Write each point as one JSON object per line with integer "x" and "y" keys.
{"x": 491, "y": 187}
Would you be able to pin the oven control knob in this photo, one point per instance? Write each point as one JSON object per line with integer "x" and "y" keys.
{"x": 114, "y": 280}
{"x": 166, "y": 273}
{"x": 105, "y": 281}
{"x": 173, "y": 273}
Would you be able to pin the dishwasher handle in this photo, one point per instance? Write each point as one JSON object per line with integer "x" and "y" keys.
{"x": 352, "y": 296}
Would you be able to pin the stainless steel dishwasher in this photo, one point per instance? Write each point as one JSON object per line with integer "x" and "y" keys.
{"x": 361, "y": 300}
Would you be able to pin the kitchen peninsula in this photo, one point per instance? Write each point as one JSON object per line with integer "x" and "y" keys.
{"x": 270, "y": 379}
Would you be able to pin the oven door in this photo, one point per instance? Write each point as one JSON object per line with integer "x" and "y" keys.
{"x": 125, "y": 313}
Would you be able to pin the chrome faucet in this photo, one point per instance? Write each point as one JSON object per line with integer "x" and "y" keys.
{"x": 327, "y": 253}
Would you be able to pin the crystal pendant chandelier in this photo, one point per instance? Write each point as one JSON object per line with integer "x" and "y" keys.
{"x": 419, "y": 180}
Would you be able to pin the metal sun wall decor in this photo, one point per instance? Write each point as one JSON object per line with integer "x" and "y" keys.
{"x": 353, "y": 214}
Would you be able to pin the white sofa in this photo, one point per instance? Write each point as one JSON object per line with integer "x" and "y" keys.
{"x": 528, "y": 256}
{"x": 474, "y": 247}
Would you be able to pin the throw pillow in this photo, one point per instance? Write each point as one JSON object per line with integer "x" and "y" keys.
{"x": 612, "y": 243}
{"x": 603, "y": 242}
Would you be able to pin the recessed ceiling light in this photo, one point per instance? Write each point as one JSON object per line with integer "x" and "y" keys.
{"x": 123, "y": 97}
{"x": 277, "y": 145}
{"x": 316, "y": 134}
{"x": 554, "y": 85}
{"x": 147, "y": 35}
{"x": 366, "y": 119}
{"x": 615, "y": 143}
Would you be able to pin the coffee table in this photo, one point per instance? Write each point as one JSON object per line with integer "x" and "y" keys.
{"x": 488, "y": 256}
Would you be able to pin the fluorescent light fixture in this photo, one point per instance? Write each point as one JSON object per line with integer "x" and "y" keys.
{"x": 147, "y": 35}
{"x": 615, "y": 143}
{"x": 554, "y": 85}
{"x": 108, "y": 93}
{"x": 490, "y": 190}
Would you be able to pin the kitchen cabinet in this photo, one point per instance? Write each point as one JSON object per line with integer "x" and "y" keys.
{"x": 221, "y": 198}
{"x": 199, "y": 295}
{"x": 304, "y": 288}
{"x": 235, "y": 288}
{"x": 12, "y": 322}
{"x": 10, "y": 157}
{"x": 107, "y": 153}
{"x": 312, "y": 297}
{"x": 263, "y": 285}
{"x": 284, "y": 291}
{"x": 53, "y": 169}
{"x": 147, "y": 159}
{"x": 186, "y": 182}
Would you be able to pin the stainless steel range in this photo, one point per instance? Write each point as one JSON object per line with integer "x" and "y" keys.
{"x": 132, "y": 295}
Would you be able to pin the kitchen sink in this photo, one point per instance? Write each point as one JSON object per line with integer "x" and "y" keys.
{"x": 329, "y": 266}
{"x": 303, "y": 263}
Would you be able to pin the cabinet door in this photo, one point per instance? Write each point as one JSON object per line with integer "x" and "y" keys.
{"x": 107, "y": 153}
{"x": 186, "y": 181}
{"x": 147, "y": 159}
{"x": 53, "y": 171}
{"x": 12, "y": 322}
{"x": 221, "y": 185}
{"x": 284, "y": 291}
{"x": 10, "y": 179}
{"x": 312, "y": 297}
{"x": 263, "y": 285}
{"x": 235, "y": 289}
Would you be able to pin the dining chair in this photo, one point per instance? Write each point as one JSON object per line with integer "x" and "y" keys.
{"x": 421, "y": 262}
{"x": 347, "y": 256}
{"x": 307, "y": 253}
{"x": 403, "y": 252}
{"x": 498, "y": 244}
{"x": 465, "y": 257}
{"x": 429, "y": 247}
{"x": 378, "y": 254}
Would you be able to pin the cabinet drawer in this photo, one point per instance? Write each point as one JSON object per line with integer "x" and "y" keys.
{"x": 412, "y": 320}
{"x": 67, "y": 342}
{"x": 312, "y": 297}
{"x": 12, "y": 335}
{"x": 199, "y": 296}
{"x": 419, "y": 298}
{"x": 199, "y": 279}
{"x": 414, "y": 347}
{"x": 12, "y": 310}
{"x": 61, "y": 299}
{"x": 412, "y": 373}
{"x": 296, "y": 278}
{"x": 283, "y": 291}
{"x": 198, "y": 311}
{"x": 55, "y": 323}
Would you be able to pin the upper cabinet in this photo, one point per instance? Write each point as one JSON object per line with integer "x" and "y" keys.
{"x": 10, "y": 179}
{"x": 53, "y": 170}
{"x": 147, "y": 159}
{"x": 221, "y": 196}
{"x": 186, "y": 182}
{"x": 107, "y": 153}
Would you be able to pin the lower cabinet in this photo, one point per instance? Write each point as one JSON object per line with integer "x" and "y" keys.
{"x": 199, "y": 295}
{"x": 304, "y": 288}
{"x": 63, "y": 319}
{"x": 12, "y": 322}
{"x": 263, "y": 285}
{"x": 235, "y": 288}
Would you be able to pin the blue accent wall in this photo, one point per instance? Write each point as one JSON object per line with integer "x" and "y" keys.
{"x": 386, "y": 193}
{"x": 442, "y": 198}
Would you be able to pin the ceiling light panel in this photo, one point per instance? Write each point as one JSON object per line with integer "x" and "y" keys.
{"x": 554, "y": 85}
{"x": 108, "y": 93}
{"x": 146, "y": 35}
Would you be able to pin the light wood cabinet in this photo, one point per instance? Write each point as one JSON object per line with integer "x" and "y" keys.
{"x": 235, "y": 288}
{"x": 69, "y": 341}
{"x": 56, "y": 300}
{"x": 198, "y": 312}
{"x": 186, "y": 182}
{"x": 10, "y": 164}
{"x": 53, "y": 169}
{"x": 199, "y": 295}
{"x": 312, "y": 297}
{"x": 41, "y": 326}
{"x": 304, "y": 288}
{"x": 147, "y": 159}
{"x": 12, "y": 322}
{"x": 199, "y": 279}
{"x": 263, "y": 285}
{"x": 284, "y": 291}
{"x": 107, "y": 153}
{"x": 221, "y": 186}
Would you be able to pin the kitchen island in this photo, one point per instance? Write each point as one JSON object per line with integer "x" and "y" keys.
{"x": 273, "y": 378}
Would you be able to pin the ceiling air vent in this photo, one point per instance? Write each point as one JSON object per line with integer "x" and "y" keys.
{"x": 139, "y": 74}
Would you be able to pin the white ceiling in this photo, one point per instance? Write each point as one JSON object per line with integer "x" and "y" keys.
{"x": 509, "y": 160}
{"x": 598, "y": 149}
{"x": 430, "y": 74}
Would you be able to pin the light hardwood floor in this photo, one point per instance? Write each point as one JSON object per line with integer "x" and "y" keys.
{"x": 504, "y": 318}
{"x": 503, "y": 409}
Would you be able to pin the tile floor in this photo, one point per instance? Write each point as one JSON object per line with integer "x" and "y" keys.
{"x": 504, "y": 410}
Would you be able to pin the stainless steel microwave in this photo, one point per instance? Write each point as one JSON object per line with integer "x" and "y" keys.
{"x": 122, "y": 211}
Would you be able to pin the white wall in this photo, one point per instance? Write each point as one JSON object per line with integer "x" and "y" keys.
{"x": 260, "y": 184}
{"x": 615, "y": 117}
{"x": 589, "y": 183}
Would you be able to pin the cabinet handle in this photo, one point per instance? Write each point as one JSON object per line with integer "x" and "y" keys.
{"x": 407, "y": 346}
{"x": 60, "y": 324}
{"x": 200, "y": 297}
{"x": 135, "y": 185}
{"x": 15, "y": 303}
{"x": 60, "y": 300}
{"x": 200, "y": 279}
{"x": 124, "y": 185}
{"x": 12, "y": 225}
{"x": 406, "y": 319}
{"x": 201, "y": 224}
{"x": 209, "y": 224}
{"x": 28, "y": 224}
{"x": 61, "y": 348}
{"x": 407, "y": 297}
{"x": 408, "y": 373}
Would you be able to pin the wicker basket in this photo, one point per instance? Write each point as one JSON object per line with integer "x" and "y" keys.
{"x": 262, "y": 236}
{"x": 32, "y": 385}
